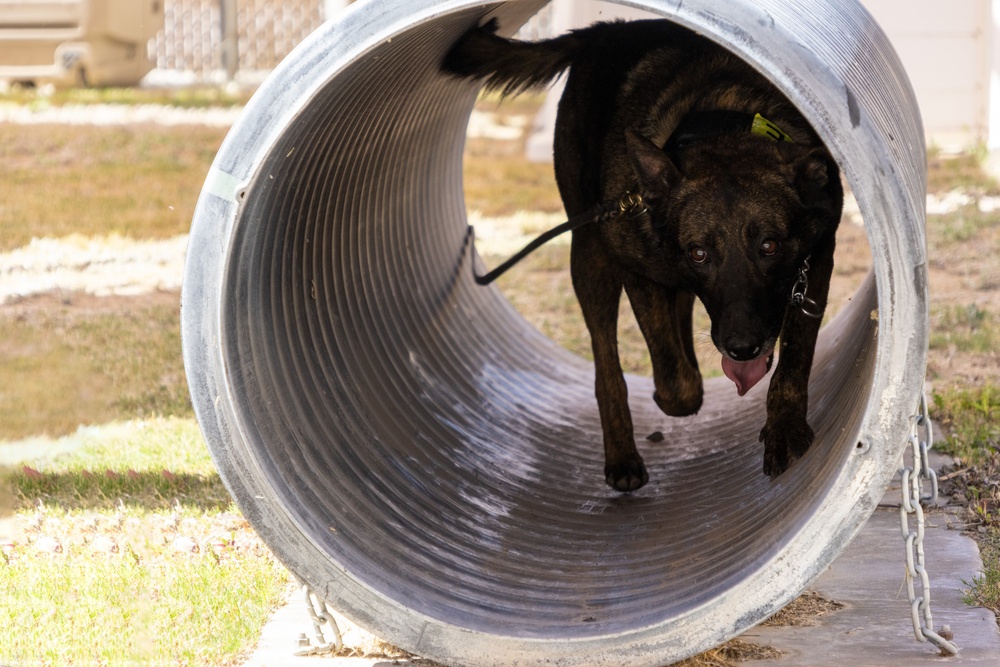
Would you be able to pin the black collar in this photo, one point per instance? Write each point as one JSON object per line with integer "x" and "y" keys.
{"x": 708, "y": 124}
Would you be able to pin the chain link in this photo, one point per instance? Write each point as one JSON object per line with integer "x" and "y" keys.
{"x": 914, "y": 478}
{"x": 799, "y": 299}
{"x": 320, "y": 614}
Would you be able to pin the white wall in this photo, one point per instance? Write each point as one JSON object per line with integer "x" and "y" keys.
{"x": 946, "y": 48}
{"x": 566, "y": 15}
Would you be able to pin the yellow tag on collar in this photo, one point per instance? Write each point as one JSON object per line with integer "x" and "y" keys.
{"x": 766, "y": 128}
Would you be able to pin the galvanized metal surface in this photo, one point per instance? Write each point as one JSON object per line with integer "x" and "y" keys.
{"x": 425, "y": 460}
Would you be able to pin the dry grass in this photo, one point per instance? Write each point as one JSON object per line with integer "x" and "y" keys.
{"x": 194, "y": 97}
{"x": 74, "y": 359}
{"x": 135, "y": 181}
{"x": 499, "y": 180}
{"x": 731, "y": 654}
{"x": 962, "y": 171}
{"x": 803, "y": 611}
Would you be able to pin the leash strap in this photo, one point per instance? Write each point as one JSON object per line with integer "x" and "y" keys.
{"x": 629, "y": 203}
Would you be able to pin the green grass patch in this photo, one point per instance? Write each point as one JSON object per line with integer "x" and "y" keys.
{"x": 971, "y": 420}
{"x": 961, "y": 226}
{"x": 984, "y": 589}
{"x": 129, "y": 551}
{"x": 138, "y": 181}
{"x": 69, "y": 365}
{"x": 968, "y": 328}
{"x": 76, "y": 609}
{"x": 962, "y": 171}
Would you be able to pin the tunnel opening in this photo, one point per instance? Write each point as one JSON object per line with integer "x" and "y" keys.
{"x": 415, "y": 450}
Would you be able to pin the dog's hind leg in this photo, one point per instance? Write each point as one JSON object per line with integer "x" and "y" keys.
{"x": 598, "y": 286}
{"x": 664, "y": 317}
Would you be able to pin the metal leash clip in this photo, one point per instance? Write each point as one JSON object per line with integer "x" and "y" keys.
{"x": 799, "y": 299}
{"x": 632, "y": 205}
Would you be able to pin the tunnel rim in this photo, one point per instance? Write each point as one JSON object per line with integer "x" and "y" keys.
{"x": 221, "y": 424}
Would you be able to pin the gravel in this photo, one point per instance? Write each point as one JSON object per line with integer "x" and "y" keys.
{"x": 117, "y": 114}
{"x": 101, "y": 266}
{"x": 118, "y": 266}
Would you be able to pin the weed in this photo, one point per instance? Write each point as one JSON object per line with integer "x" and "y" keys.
{"x": 971, "y": 419}
{"x": 984, "y": 589}
{"x": 970, "y": 416}
{"x": 963, "y": 328}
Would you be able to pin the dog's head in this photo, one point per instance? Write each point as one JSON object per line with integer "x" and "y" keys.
{"x": 736, "y": 217}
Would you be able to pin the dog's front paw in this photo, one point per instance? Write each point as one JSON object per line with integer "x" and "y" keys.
{"x": 629, "y": 474}
{"x": 785, "y": 441}
{"x": 679, "y": 404}
{"x": 681, "y": 394}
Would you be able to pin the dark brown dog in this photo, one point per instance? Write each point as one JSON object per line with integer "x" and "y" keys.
{"x": 741, "y": 199}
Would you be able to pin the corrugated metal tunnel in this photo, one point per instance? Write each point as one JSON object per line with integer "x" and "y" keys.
{"x": 426, "y": 460}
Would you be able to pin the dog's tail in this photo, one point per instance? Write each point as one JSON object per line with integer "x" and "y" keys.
{"x": 507, "y": 65}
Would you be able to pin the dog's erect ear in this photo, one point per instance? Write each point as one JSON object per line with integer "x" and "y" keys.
{"x": 810, "y": 172}
{"x": 655, "y": 170}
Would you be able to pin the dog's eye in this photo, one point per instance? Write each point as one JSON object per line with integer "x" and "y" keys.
{"x": 769, "y": 247}
{"x": 698, "y": 254}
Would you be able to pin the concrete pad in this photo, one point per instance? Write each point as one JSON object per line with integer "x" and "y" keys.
{"x": 279, "y": 641}
{"x": 874, "y": 628}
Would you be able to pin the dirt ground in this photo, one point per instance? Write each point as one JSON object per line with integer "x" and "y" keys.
{"x": 962, "y": 282}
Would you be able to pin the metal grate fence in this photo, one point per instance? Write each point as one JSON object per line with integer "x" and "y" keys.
{"x": 267, "y": 30}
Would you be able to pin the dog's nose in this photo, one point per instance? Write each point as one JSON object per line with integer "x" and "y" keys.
{"x": 741, "y": 350}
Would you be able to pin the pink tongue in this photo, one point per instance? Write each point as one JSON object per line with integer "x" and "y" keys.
{"x": 744, "y": 373}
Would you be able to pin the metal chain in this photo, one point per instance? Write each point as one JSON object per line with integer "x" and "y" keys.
{"x": 914, "y": 478}
{"x": 320, "y": 614}
{"x": 799, "y": 299}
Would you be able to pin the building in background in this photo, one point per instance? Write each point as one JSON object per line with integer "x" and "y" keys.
{"x": 951, "y": 52}
{"x": 78, "y": 42}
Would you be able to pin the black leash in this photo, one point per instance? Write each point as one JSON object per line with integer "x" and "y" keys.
{"x": 629, "y": 203}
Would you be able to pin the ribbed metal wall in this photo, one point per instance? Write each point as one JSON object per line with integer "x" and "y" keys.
{"x": 407, "y": 444}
